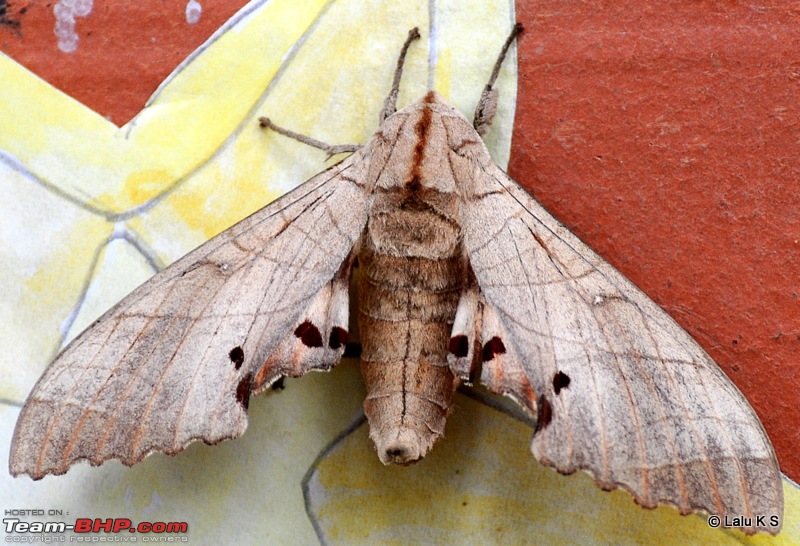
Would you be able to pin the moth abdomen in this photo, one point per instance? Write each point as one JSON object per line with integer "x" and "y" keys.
{"x": 415, "y": 273}
{"x": 412, "y": 272}
{"x": 407, "y": 404}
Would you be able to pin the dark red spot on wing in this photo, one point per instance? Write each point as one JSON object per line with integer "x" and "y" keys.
{"x": 459, "y": 346}
{"x": 309, "y": 334}
{"x": 338, "y": 338}
{"x": 237, "y": 357}
{"x": 544, "y": 414}
{"x": 243, "y": 390}
{"x": 560, "y": 381}
{"x": 493, "y": 347}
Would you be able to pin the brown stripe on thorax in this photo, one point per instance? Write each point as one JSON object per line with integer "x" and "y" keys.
{"x": 421, "y": 129}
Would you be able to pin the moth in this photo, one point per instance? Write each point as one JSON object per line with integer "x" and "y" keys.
{"x": 463, "y": 277}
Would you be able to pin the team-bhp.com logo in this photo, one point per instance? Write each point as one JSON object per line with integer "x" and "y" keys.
{"x": 85, "y": 530}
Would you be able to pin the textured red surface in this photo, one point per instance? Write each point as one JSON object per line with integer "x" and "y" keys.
{"x": 126, "y": 49}
{"x": 667, "y": 136}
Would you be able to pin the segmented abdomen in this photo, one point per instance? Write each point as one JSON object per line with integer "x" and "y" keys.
{"x": 406, "y": 309}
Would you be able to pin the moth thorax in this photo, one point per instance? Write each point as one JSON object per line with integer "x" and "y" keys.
{"x": 413, "y": 221}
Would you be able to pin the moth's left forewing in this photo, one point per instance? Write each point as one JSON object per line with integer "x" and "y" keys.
{"x": 179, "y": 357}
{"x": 619, "y": 389}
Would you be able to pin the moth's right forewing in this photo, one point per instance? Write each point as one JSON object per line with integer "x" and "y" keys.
{"x": 618, "y": 388}
{"x": 177, "y": 359}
